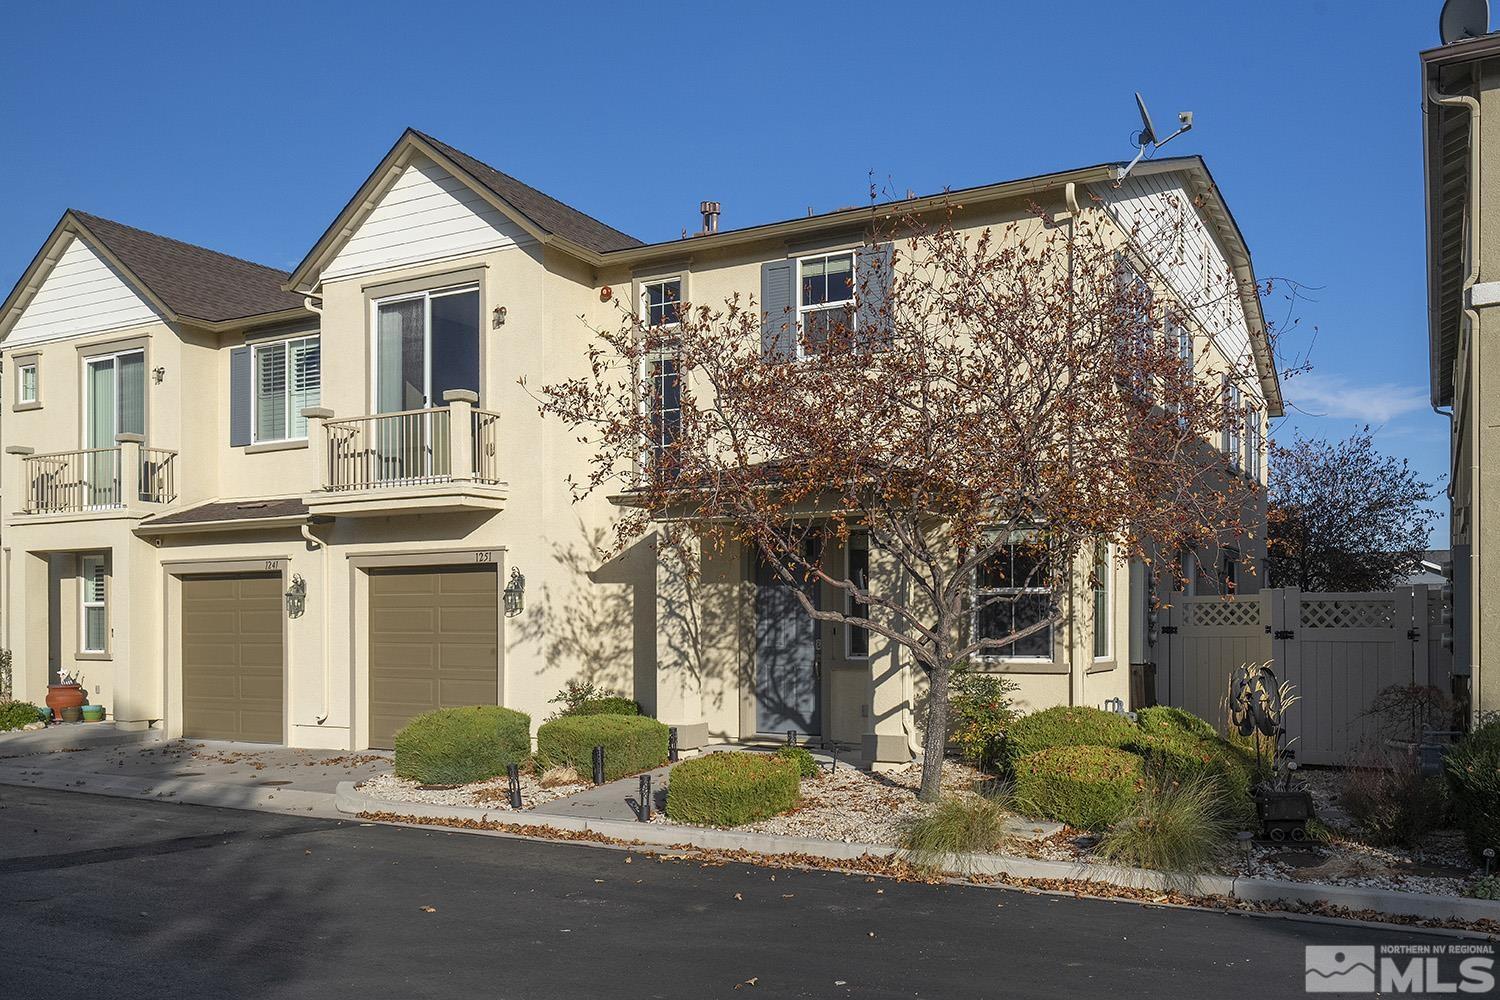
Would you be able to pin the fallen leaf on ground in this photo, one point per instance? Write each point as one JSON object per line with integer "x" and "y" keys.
{"x": 752, "y": 981}
{"x": 429, "y": 909}
{"x": 739, "y": 897}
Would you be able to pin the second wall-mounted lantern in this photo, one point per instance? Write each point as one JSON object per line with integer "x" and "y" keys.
{"x": 515, "y": 593}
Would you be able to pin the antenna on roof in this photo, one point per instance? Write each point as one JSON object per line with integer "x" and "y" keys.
{"x": 1147, "y": 135}
{"x": 1464, "y": 19}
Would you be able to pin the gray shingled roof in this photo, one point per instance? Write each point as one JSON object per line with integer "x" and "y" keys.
{"x": 546, "y": 212}
{"x": 231, "y": 510}
{"x": 193, "y": 281}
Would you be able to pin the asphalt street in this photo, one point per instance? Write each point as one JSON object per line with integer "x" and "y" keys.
{"x": 105, "y": 897}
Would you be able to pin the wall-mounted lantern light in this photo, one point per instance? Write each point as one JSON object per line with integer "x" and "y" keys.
{"x": 499, "y": 316}
{"x": 515, "y": 593}
{"x": 296, "y": 597}
{"x": 158, "y": 374}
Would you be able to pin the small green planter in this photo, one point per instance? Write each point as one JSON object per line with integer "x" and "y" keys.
{"x": 93, "y": 713}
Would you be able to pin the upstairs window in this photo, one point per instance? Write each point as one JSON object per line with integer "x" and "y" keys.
{"x": 288, "y": 378}
{"x": 1184, "y": 344}
{"x": 1012, "y": 591}
{"x": 26, "y": 383}
{"x": 660, "y": 301}
{"x": 825, "y": 303}
{"x": 663, "y": 406}
{"x": 1252, "y": 442}
{"x": 1233, "y": 428}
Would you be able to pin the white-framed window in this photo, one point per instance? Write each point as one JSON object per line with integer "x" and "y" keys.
{"x": 288, "y": 378}
{"x": 660, "y": 301}
{"x": 1253, "y": 441}
{"x": 825, "y": 303}
{"x": 1184, "y": 336}
{"x": 425, "y": 344}
{"x": 26, "y": 383}
{"x": 663, "y": 404}
{"x": 1104, "y": 616}
{"x": 93, "y": 617}
{"x": 114, "y": 397}
{"x": 857, "y": 572}
{"x": 1233, "y": 428}
{"x": 1012, "y": 591}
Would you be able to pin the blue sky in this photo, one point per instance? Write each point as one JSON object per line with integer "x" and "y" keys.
{"x": 246, "y": 127}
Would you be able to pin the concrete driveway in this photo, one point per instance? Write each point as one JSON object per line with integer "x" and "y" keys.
{"x": 95, "y": 757}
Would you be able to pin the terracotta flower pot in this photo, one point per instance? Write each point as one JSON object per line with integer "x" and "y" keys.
{"x": 61, "y": 697}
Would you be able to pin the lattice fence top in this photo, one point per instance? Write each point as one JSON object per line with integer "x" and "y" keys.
{"x": 1212, "y": 613}
{"x": 1368, "y": 613}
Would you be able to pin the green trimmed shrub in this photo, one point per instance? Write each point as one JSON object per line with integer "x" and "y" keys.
{"x": 15, "y": 714}
{"x": 1160, "y": 719}
{"x": 1086, "y": 787}
{"x": 632, "y": 743}
{"x": 454, "y": 746}
{"x": 807, "y": 764}
{"x": 1174, "y": 828}
{"x": 605, "y": 706}
{"x": 731, "y": 789}
{"x": 1065, "y": 726}
{"x": 981, "y": 714}
{"x": 1473, "y": 767}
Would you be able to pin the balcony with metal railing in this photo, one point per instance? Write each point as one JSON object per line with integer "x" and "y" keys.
{"x": 92, "y": 480}
{"x": 441, "y": 457}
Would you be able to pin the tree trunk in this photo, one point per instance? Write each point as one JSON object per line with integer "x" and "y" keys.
{"x": 935, "y": 739}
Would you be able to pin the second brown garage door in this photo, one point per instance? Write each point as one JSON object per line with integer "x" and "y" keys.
{"x": 232, "y": 658}
{"x": 434, "y": 643}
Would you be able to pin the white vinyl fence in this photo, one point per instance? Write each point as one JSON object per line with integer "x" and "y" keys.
{"x": 1338, "y": 650}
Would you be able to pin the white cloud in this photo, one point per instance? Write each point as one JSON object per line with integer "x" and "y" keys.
{"x": 1336, "y": 396}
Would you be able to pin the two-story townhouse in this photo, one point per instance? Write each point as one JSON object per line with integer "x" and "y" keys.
{"x": 320, "y": 527}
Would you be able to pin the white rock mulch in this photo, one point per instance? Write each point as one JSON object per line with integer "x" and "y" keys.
{"x": 491, "y": 794}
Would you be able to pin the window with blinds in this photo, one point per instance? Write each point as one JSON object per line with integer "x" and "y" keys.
{"x": 288, "y": 379}
{"x": 94, "y": 617}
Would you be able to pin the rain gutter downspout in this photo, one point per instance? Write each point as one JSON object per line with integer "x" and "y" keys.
{"x": 322, "y": 547}
{"x": 1075, "y": 672}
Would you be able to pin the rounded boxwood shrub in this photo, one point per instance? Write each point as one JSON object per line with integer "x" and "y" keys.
{"x": 807, "y": 764}
{"x": 1065, "y": 726}
{"x": 730, "y": 789}
{"x": 1086, "y": 787}
{"x": 15, "y": 714}
{"x": 1160, "y": 719}
{"x": 1473, "y": 767}
{"x": 454, "y": 746}
{"x": 1185, "y": 758}
{"x": 632, "y": 743}
{"x": 605, "y": 706}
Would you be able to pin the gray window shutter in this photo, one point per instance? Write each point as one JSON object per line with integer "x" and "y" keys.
{"x": 872, "y": 277}
{"x": 239, "y": 397}
{"x": 778, "y": 330}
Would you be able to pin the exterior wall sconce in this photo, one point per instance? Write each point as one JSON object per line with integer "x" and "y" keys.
{"x": 296, "y": 597}
{"x": 499, "y": 316}
{"x": 158, "y": 374}
{"x": 515, "y": 593}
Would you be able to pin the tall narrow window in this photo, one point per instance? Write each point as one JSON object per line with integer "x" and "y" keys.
{"x": 1229, "y": 571}
{"x": 94, "y": 615}
{"x": 1103, "y": 608}
{"x": 660, "y": 301}
{"x": 1252, "y": 442}
{"x": 26, "y": 383}
{"x": 857, "y": 572}
{"x": 664, "y": 407}
{"x": 288, "y": 378}
{"x": 1184, "y": 345}
{"x": 825, "y": 303}
{"x": 1233, "y": 414}
{"x": 1013, "y": 592}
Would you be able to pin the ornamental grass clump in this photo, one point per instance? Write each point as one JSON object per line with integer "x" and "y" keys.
{"x": 955, "y": 828}
{"x": 456, "y": 746}
{"x": 1174, "y": 827}
{"x": 1086, "y": 787}
{"x": 731, "y": 789}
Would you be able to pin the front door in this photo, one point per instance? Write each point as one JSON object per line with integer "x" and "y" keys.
{"x": 788, "y": 667}
{"x": 425, "y": 345}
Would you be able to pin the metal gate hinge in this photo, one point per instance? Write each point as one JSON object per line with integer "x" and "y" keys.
{"x": 1283, "y": 633}
{"x": 1169, "y": 630}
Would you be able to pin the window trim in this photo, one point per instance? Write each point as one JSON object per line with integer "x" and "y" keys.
{"x": 84, "y": 604}
{"x": 426, "y": 295}
{"x": 1104, "y": 584}
{"x": 23, "y": 362}
{"x": 285, "y": 344}
{"x": 852, "y": 301}
{"x": 849, "y": 600}
{"x": 977, "y": 593}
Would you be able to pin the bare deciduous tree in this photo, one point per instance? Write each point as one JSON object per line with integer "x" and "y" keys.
{"x": 997, "y": 405}
{"x": 1343, "y": 516}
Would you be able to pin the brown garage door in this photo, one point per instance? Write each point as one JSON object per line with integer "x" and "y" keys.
{"x": 232, "y": 658}
{"x": 434, "y": 643}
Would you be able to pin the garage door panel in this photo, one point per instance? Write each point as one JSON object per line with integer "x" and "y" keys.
{"x": 434, "y": 643}
{"x": 232, "y": 658}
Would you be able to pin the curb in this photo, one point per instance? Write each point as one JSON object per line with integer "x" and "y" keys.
{"x": 1388, "y": 901}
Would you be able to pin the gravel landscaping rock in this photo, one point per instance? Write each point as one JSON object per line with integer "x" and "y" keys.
{"x": 491, "y": 794}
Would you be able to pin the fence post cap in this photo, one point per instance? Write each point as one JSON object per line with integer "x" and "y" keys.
{"x": 461, "y": 396}
{"x": 19, "y": 449}
{"x": 130, "y": 439}
{"x": 317, "y": 412}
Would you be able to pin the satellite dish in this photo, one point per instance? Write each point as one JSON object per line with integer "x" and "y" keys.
{"x": 1463, "y": 19}
{"x": 1148, "y": 131}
